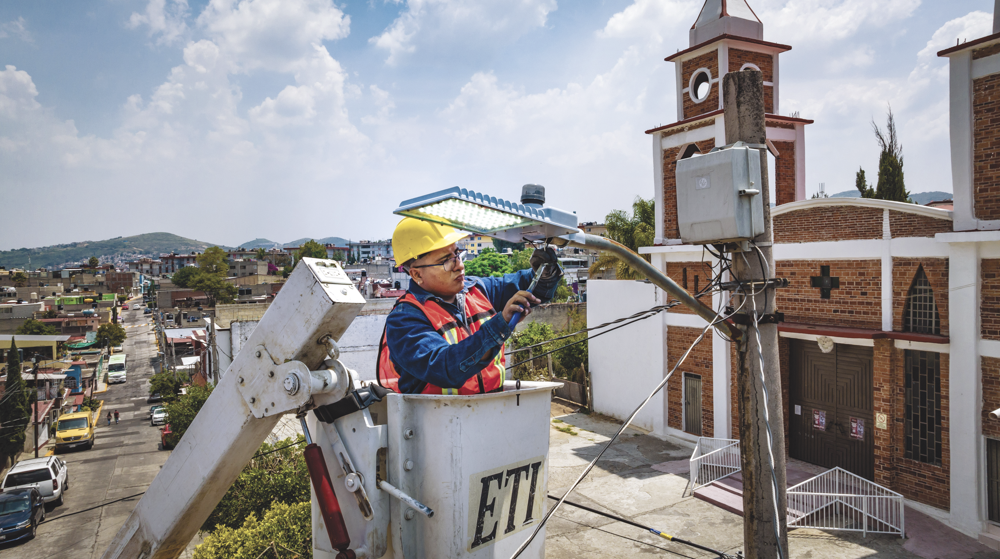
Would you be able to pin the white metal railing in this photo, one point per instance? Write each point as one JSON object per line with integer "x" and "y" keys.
{"x": 840, "y": 500}
{"x": 712, "y": 460}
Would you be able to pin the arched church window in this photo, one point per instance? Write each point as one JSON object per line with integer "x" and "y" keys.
{"x": 701, "y": 85}
{"x": 920, "y": 313}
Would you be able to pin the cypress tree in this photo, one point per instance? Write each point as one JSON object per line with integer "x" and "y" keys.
{"x": 14, "y": 412}
{"x": 861, "y": 183}
{"x": 890, "y": 163}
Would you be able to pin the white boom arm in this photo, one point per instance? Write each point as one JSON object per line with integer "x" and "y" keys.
{"x": 276, "y": 373}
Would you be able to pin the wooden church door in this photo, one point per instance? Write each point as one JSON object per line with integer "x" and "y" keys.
{"x": 831, "y": 419}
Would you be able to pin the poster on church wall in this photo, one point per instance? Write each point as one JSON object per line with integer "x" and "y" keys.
{"x": 857, "y": 428}
{"x": 819, "y": 420}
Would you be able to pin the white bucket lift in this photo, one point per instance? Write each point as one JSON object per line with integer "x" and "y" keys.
{"x": 406, "y": 477}
{"x": 480, "y": 463}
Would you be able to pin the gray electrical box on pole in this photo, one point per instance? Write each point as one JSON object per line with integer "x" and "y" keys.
{"x": 719, "y": 196}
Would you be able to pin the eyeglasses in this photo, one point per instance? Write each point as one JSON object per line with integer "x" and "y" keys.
{"x": 449, "y": 264}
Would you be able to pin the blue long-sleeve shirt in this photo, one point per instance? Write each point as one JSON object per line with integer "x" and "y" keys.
{"x": 422, "y": 356}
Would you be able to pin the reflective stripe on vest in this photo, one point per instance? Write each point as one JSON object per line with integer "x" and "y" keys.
{"x": 479, "y": 309}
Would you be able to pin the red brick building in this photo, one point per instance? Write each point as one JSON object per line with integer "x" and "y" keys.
{"x": 890, "y": 345}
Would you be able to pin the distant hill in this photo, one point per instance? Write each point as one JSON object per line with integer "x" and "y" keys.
{"x": 115, "y": 250}
{"x": 260, "y": 243}
{"x": 918, "y": 197}
{"x": 338, "y": 241}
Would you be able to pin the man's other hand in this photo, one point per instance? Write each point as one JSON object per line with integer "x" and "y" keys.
{"x": 520, "y": 302}
{"x": 545, "y": 256}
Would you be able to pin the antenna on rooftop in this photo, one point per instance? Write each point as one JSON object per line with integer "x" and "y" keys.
{"x": 822, "y": 190}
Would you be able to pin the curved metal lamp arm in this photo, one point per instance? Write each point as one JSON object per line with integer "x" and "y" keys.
{"x": 588, "y": 241}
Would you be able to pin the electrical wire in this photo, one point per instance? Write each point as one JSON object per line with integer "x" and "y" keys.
{"x": 640, "y": 526}
{"x": 767, "y": 414}
{"x": 624, "y": 426}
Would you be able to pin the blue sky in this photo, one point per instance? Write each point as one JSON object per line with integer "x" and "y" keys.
{"x": 226, "y": 120}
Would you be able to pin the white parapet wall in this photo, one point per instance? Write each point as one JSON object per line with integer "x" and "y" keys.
{"x": 626, "y": 364}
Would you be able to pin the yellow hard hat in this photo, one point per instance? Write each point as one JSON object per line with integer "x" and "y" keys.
{"x": 414, "y": 237}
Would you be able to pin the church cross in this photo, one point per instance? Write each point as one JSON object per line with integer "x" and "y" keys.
{"x": 824, "y": 282}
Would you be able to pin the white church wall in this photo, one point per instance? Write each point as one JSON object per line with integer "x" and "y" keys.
{"x": 625, "y": 365}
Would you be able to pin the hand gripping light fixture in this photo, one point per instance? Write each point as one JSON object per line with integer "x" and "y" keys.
{"x": 531, "y": 221}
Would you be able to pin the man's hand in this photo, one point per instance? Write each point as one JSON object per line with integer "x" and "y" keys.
{"x": 520, "y": 302}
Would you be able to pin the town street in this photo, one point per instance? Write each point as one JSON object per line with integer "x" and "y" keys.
{"x": 124, "y": 460}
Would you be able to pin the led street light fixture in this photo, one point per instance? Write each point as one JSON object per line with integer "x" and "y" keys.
{"x": 494, "y": 217}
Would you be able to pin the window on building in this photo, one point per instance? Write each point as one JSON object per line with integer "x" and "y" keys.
{"x": 923, "y": 406}
{"x": 920, "y": 313}
{"x": 993, "y": 479}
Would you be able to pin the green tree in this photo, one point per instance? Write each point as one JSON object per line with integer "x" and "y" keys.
{"x": 261, "y": 253}
{"x": 109, "y": 335}
{"x": 14, "y": 412}
{"x": 284, "y": 531}
{"x": 278, "y": 474}
{"x": 890, "y": 163}
{"x": 861, "y": 183}
{"x": 32, "y": 327}
{"x": 185, "y": 276}
{"x": 502, "y": 245}
{"x": 487, "y": 264}
{"x": 286, "y": 271}
{"x": 114, "y": 315}
{"x": 338, "y": 256}
{"x": 633, "y": 231}
{"x": 19, "y": 279}
{"x": 182, "y": 411}
{"x": 91, "y": 403}
{"x": 50, "y": 314}
{"x": 214, "y": 261}
{"x": 166, "y": 384}
{"x": 311, "y": 249}
{"x": 93, "y": 262}
{"x": 571, "y": 357}
{"x": 520, "y": 260}
{"x": 563, "y": 291}
{"x": 217, "y": 288}
{"x": 534, "y": 335}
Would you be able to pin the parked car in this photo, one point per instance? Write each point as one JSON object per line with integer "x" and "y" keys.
{"x": 21, "y": 511}
{"x": 152, "y": 409}
{"x": 159, "y": 417}
{"x": 167, "y": 438}
{"x": 124, "y": 306}
{"x": 48, "y": 475}
{"x": 75, "y": 429}
{"x": 154, "y": 397}
{"x": 147, "y": 310}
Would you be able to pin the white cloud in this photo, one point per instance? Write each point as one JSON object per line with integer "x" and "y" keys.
{"x": 817, "y": 21}
{"x": 970, "y": 26}
{"x": 385, "y": 104}
{"x": 272, "y": 34}
{"x": 17, "y": 29}
{"x": 860, "y": 57}
{"x": 652, "y": 19}
{"x": 460, "y": 24}
{"x": 165, "y": 21}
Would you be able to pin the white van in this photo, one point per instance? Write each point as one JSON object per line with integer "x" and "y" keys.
{"x": 48, "y": 474}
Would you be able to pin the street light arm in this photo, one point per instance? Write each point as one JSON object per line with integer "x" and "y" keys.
{"x": 654, "y": 275}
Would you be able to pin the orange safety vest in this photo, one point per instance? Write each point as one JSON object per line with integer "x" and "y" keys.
{"x": 478, "y": 309}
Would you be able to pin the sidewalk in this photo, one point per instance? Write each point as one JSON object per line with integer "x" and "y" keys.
{"x": 642, "y": 478}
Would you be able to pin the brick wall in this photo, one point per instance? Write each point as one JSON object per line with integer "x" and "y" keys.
{"x": 828, "y": 223}
{"x": 670, "y": 227}
{"x": 780, "y": 124}
{"x": 857, "y": 303}
{"x": 991, "y": 396}
{"x": 708, "y": 60}
{"x": 989, "y": 309}
{"x": 784, "y": 168}
{"x": 698, "y": 362}
{"x": 925, "y": 483}
{"x": 764, "y": 61}
{"x": 986, "y": 147}
{"x": 884, "y": 401}
{"x": 986, "y": 51}
{"x": 902, "y": 224}
{"x": 678, "y": 271}
{"x": 903, "y": 272}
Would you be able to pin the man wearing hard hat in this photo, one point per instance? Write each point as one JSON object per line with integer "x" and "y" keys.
{"x": 446, "y": 334}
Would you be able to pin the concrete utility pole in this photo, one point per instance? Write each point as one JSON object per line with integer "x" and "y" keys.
{"x": 35, "y": 359}
{"x": 743, "y": 101}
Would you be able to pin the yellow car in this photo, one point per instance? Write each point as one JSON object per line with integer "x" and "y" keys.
{"x": 75, "y": 429}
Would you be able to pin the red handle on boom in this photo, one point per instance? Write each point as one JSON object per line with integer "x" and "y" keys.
{"x": 329, "y": 506}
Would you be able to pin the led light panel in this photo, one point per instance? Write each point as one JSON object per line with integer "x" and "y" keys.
{"x": 485, "y": 215}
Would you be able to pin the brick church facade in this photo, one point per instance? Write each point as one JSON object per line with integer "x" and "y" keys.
{"x": 890, "y": 348}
